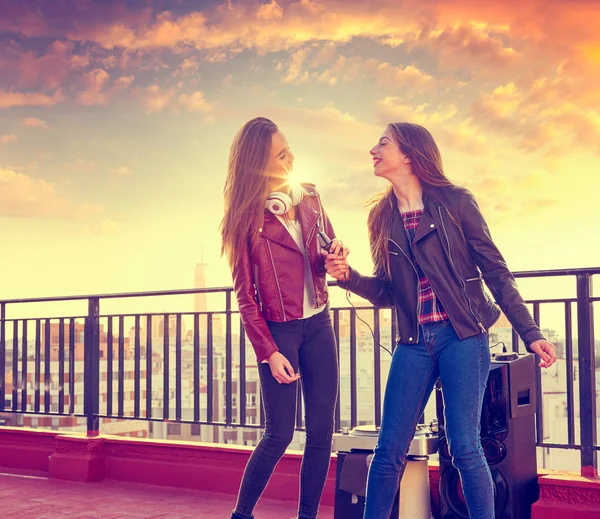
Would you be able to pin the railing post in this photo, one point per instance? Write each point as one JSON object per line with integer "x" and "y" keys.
{"x": 2, "y": 354}
{"x": 587, "y": 390}
{"x": 228, "y": 362}
{"x": 92, "y": 366}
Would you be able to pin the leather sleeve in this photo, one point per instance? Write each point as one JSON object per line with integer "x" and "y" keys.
{"x": 254, "y": 323}
{"x": 371, "y": 288}
{"x": 495, "y": 272}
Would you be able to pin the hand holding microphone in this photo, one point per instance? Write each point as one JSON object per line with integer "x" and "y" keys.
{"x": 335, "y": 254}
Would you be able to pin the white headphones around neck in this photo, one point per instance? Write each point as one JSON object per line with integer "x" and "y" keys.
{"x": 280, "y": 203}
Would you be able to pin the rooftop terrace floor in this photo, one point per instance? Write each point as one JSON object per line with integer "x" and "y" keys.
{"x": 33, "y": 496}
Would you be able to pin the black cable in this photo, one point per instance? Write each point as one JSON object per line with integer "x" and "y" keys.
{"x": 368, "y": 325}
{"x": 504, "y": 350}
{"x": 325, "y": 242}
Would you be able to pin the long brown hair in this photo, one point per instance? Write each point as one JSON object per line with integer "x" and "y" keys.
{"x": 246, "y": 186}
{"x": 426, "y": 163}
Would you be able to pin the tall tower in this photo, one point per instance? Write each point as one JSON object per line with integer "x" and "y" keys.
{"x": 200, "y": 282}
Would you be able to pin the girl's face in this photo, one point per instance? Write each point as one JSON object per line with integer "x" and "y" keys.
{"x": 280, "y": 162}
{"x": 388, "y": 158}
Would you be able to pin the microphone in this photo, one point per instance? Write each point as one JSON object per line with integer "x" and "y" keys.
{"x": 324, "y": 241}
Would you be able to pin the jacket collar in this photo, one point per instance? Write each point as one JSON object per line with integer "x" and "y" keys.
{"x": 274, "y": 230}
{"x": 427, "y": 224}
{"x": 308, "y": 213}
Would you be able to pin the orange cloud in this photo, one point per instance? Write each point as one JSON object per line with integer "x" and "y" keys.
{"x": 541, "y": 116}
{"x": 154, "y": 98}
{"x": 34, "y": 122}
{"x": 8, "y": 137}
{"x": 447, "y": 124}
{"x": 326, "y": 65}
{"x": 468, "y": 45}
{"x": 120, "y": 171}
{"x": 265, "y": 27}
{"x": 195, "y": 102}
{"x": 49, "y": 70}
{"x": 9, "y": 99}
{"x": 103, "y": 227}
{"x": 22, "y": 196}
{"x": 93, "y": 85}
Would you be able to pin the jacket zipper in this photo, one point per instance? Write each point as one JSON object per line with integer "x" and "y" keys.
{"x": 462, "y": 281}
{"x": 276, "y": 279}
{"x": 256, "y": 286}
{"x": 417, "y": 274}
{"x": 311, "y": 235}
{"x": 313, "y": 231}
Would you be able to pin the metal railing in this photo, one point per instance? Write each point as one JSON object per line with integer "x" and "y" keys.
{"x": 159, "y": 357}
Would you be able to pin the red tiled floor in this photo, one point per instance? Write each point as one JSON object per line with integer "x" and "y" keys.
{"x": 33, "y": 497}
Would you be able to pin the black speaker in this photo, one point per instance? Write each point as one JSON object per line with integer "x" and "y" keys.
{"x": 351, "y": 484}
{"x": 508, "y": 439}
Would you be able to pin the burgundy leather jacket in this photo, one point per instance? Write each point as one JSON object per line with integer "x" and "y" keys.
{"x": 269, "y": 277}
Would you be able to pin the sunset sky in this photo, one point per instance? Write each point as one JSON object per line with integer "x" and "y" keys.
{"x": 116, "y": 119}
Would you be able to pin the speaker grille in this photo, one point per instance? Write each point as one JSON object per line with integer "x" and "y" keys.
{"x": 451, "y": 493}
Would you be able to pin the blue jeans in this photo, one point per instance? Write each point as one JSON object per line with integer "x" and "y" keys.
{"x": 463, "y": 366}
{"x": 309, "y": 344}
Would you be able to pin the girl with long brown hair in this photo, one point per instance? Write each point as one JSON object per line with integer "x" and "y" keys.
{"x": 432, "y": 251}
{"x": 269, "y": 234}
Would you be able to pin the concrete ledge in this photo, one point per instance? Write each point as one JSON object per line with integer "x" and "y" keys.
{"x": 78, "y": 459}
{"x": 564, "y": 496}
{"x": 26, "y": 449}
{"x": 219, "y": 469}
{"x": 200, "y": 466}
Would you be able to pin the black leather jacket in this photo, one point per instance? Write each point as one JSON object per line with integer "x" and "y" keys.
{"x": 456, "y": 266}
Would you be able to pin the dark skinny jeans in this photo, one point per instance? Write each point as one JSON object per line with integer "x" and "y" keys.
{"x": 310, "y": 346}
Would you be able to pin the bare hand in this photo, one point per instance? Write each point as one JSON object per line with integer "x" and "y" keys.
{"x": 281, "y": 369}
{"x": 545, "y": 350}
{"x": 337, "y": 267}
{"x": 338, "y": 249}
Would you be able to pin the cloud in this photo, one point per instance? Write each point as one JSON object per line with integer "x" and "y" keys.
{"x": 101, "y": 228}
{"x": 540, "y": 117}
{"x": 47, "y": 69}
{"x": 393, "y": 109}
{"x": 295, "y": 74}
{"x": 510, "y": 196}
{"x": 82, "y": 166}
{"x": 188, "y": 68}
{"x": 195, "y": 102}
{"x": 22, "y": 196}
{"x": 326, "y": 65}
{"x": 120, "y": 171}
{"x": 264, "y": 27}
{"x": 9, "y": 99}
{"x": 34, "y": 122}
{"x": 467, "y": 46}
{"x": 8, "y": 137}
{"x": 491, "y": 33}
{"x": 93, "y": 86}
{"x": 155, "y": 98}
{"x": 270, "y": 12}
{"x": 122, "y": 83}
{"x": 446, "y": 122}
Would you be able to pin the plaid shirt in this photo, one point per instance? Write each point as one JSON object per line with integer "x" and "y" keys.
{"x": 431, "y": 309}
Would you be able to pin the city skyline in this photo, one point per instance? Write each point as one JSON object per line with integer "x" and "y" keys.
{"x": 116, "y": 120}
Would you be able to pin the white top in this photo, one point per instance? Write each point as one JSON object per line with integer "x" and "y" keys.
{"x": 295, "y": 230}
